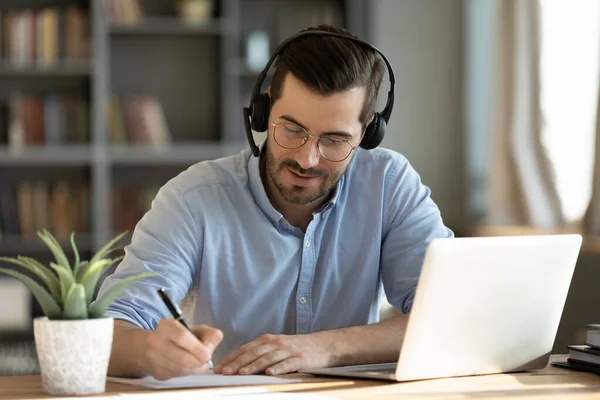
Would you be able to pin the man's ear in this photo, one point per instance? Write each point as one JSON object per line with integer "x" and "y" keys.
{"x": 269, "y": 90}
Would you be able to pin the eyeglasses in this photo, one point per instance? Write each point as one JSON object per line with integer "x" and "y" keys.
{"x": 291, "y": 136}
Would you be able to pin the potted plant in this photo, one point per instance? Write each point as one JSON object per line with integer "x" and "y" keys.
{"x": 74, "y": 338}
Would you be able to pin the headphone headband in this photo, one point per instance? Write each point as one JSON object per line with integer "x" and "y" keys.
{"x": 251, "y": 112}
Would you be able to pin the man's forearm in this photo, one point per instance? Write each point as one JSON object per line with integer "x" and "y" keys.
{"x": 367, "y": 344}
{"x": 127, "y": 351}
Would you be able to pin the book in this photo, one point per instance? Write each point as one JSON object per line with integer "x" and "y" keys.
{"x": 139, "y": 120}
{"x": 44, "y": 37}
{"x": 25, "y": 208}
{"x": 41, "y": 219}
{"x": 593, "y": 335}
{"x": 578, "y": 366}
{"x": 584, "y": 353}
{"x": 9, "y": 209}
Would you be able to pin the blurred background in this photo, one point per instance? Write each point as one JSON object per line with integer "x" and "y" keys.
{"x": 103, "y": 101}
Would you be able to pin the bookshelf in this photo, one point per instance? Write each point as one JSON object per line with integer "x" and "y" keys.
{"x": 171, "y": 60}
{"x": 81, "y": 69}
{"x": 197, "y": 73}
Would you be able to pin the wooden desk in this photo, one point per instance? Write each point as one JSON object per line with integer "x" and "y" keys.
{"x": 551, "y": 382}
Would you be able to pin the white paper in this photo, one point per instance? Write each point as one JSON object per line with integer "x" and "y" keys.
{"x": 281, "y": 395}
{"x": 225, "y": 394}
{"x": 196, "y": 394}
{"x": 203, "y": 380}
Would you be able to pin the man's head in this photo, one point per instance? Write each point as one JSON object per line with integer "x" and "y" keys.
{"x": 325, "y": 87}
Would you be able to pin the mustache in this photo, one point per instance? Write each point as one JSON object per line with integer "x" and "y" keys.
{"x": 294, "y": 166}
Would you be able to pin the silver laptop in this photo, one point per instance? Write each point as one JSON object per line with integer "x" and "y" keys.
{"x": 482, "y": 306}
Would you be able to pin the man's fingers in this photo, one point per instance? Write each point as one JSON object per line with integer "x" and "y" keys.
{"x": 166, "y": 367}
{"x": 267, "y": 360}
{"x": 171, "y": 351}
{"x": 173, "y": 331}
{"x": 246, "y": 358}
{"x": 286, "y": 366}
{"x": 209, "y": 336}
{"x": 233, "y": 356}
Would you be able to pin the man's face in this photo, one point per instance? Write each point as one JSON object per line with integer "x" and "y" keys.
{"x": 302, "y": 176}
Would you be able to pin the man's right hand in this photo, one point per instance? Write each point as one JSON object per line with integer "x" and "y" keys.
{"x": 172, "y": 350}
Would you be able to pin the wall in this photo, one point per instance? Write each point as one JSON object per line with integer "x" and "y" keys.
{"x": 423, "y": 40}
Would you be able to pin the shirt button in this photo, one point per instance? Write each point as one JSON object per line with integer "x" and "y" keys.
{"x": 302, "y": 300}
{"x": 275, "y": 224}
{"x": 307, "y": 243}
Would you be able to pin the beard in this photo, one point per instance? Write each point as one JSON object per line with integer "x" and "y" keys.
{"x": 301, "y": 195}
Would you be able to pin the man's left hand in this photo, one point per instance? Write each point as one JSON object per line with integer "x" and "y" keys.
{"x": 275, "y": 355}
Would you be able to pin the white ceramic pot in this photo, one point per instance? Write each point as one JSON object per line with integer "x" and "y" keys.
{"x": 73, "y": 354}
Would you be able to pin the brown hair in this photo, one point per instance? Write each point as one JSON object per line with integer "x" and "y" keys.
{"x": 331, "y": 65}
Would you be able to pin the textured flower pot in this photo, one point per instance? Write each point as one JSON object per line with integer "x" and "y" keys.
{"x": 73, "y": 354}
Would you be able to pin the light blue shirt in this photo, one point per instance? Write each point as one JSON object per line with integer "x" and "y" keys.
{"x": 231, "y": 259}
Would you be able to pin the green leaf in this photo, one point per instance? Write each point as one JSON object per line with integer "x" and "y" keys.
{"x": 76, "y": 264}
{"x": 75, "y": 306}
{"x": 107, "y": 248}
{"x": 66, "y": 281}
{"x": 81, "y": 270}
{"x": 56, "y": 249}
{"x": 99, "y": 307}
{"x": 53, "y": 282}
{"x": 49, "y": 306}
{"x": 40, "y": 271}
{"x": 92, "y": 275}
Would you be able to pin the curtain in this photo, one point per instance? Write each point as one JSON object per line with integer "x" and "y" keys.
{"x": 592, "y": 216}
{"x": 520, "y": 183}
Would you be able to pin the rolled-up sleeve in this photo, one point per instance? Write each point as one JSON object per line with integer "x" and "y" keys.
{"x": 414, "y": 220}
{"x": 167, "y": 241}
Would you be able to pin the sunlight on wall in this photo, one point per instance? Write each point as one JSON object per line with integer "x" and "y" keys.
{"x": 570, "y": 33}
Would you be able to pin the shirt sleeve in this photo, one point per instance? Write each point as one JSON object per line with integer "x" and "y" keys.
{"x": 166, "y": 241}
{"x": 414, "y": 220}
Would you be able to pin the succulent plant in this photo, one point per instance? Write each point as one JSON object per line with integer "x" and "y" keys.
{"x": 69, "y": 290}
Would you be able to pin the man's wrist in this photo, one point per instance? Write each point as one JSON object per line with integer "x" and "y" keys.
{"x": 138, "y": 340}
{"x": 329, "y": 344}
{"x": 128, "y": 357}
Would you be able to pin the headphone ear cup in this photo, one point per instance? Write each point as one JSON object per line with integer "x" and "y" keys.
{"x": 260, "y": 112}
{"x": 374, "y": 133}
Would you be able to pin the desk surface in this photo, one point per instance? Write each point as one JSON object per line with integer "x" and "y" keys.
{"x": 551, "y": 382}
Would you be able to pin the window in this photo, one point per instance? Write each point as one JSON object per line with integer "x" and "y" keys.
{"x": 570, "y": 53}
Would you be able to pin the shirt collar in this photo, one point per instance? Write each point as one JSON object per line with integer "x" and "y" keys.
{"x": 262, "y": 200}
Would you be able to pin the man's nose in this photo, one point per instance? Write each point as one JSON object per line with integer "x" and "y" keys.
{"x": 307, "y": 156}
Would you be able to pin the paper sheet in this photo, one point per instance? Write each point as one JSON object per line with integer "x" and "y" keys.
{"x": 197, "y": 394}
{"x": 241, "y": 394}
{"x": 203, "y": 380}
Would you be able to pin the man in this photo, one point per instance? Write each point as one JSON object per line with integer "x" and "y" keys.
{"x": 284, "y": 257}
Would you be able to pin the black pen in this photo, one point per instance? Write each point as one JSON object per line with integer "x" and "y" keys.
{"x": 176, "y": 313}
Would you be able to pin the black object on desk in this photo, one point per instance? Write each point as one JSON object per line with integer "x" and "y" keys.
{"x": 578, "y": 366}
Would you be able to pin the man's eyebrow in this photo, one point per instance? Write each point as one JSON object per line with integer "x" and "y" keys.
{"x": 293, "y": 120}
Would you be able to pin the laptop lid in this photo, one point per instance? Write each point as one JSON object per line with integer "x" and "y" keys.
{"x": 487, "y": 305}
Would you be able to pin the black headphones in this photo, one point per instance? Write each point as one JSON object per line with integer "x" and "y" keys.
{"x": 256, "y": 115}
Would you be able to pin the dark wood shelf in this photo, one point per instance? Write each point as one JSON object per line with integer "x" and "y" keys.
{"x": 168, "y": 26}
{"x": 47, "y": 155}
{"x": 16, "y": 244}
{"x": 174, "y": 154}
{"x": 61, "y": 69}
